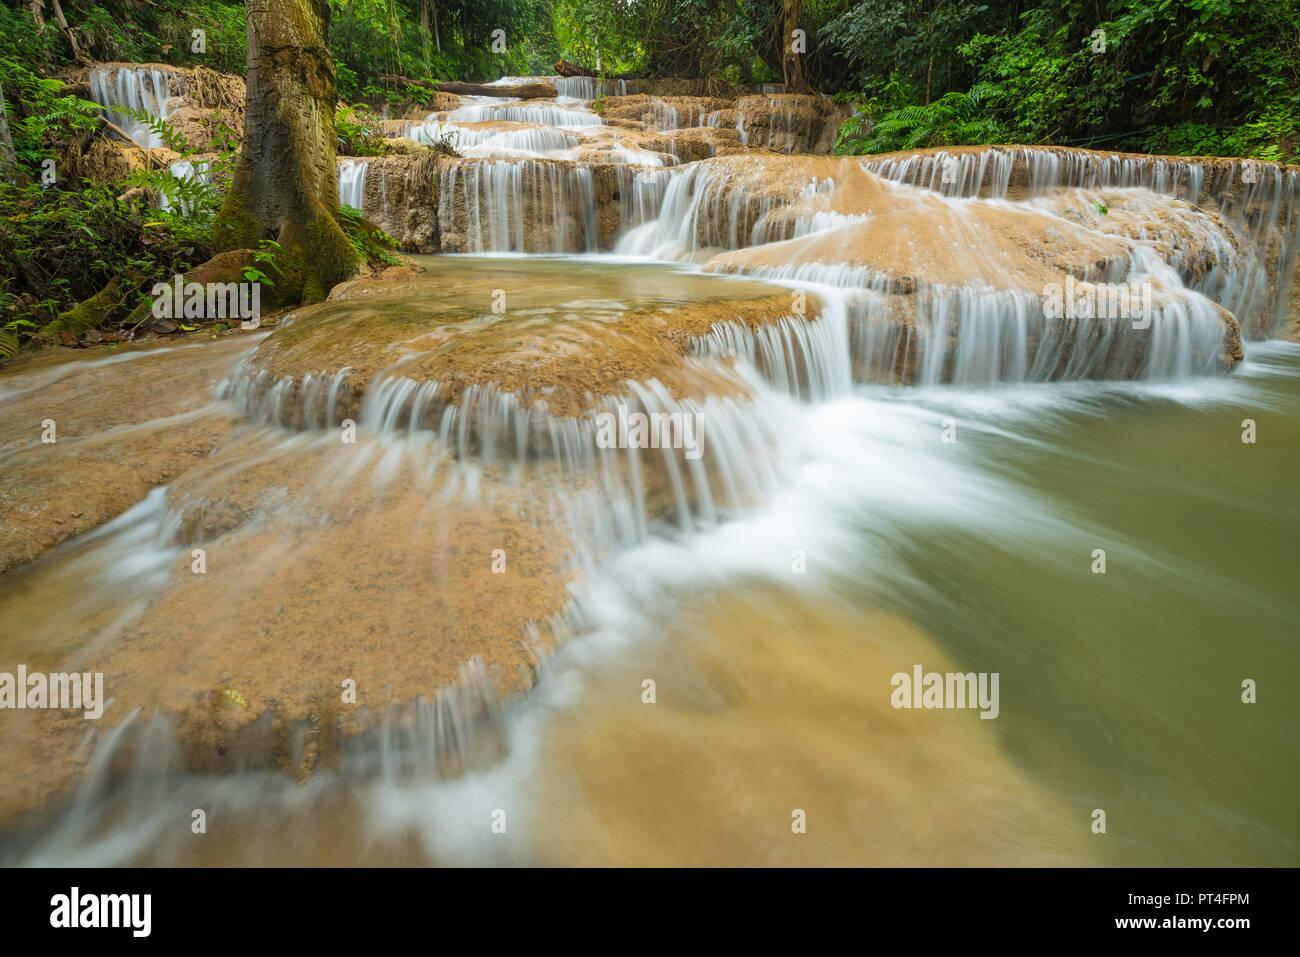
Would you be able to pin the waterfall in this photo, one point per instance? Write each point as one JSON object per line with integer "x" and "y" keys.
{"x": 708, "y": 206}
{"x": 585, "y": 87}
{"x": 663, "y": 116}
{"x": 352, "y": 183}
{"x": 570, "y": 87}
{"x": 1262, "y": 207}
{"x": 741, "y": 438}
{"x": 493, "y": 141}
{"x": 537, "y": 206}
{"x": 805, "y": 358}
{"x": 526, "y": 111}
{"x": 641, "y": 194}
{"x": 981, "y": 336}
{"x": 136, "y": 87}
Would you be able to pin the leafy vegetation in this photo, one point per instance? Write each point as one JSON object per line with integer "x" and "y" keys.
{"x": 60, "y": 247}
{"x": 359, "y": 133}
{"x": 1215, "y": 77}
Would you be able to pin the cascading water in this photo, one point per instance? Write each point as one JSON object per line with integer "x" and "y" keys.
{"x": 534, "y": 206}
{"x": 138, "y": 88}
{"x": 490, "y": 110}
{"x": 571, "y": 87}
{"x": 352, "y": 183}
{"x": 1260, "y": 203}
{"x": 587, "y": 87}
{"x": 641, "y": 194}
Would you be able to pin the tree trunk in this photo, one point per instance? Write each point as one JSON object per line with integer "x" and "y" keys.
{"x": 285, "y": 185}
{"x": 8, "y": 158}
{"x": 520, "y": 91}
{"x": 37, "y": 8}
{"x": 790, "y": 57}
{"x": 565, "y": 68}
{"x": 67, "y": 30}
{"x": 425, "y": 33}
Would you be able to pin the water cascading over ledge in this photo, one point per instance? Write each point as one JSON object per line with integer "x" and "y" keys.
{"x": 137, "y": 87}
{"x": 943, "y": 258}
{"x": 534, "y": 206}
{"x": 955, "y": 289}
{"x": 1260, "y": 202}
{"x": 427, "y": 361}
{"x": 352, "y": 183}
{"x": 532, "y": 111}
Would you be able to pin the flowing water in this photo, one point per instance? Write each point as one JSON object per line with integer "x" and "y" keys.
{"x": 841, "y": 530}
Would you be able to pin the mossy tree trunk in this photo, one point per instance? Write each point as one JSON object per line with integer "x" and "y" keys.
{"x": 285, "y": 186}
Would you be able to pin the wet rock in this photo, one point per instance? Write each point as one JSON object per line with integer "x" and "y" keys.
{"x": 123, "y": 428}
{"x": 555, "y": 343}
{"x": 401, "y": 197}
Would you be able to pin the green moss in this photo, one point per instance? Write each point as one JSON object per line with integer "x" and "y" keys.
{"x": 78, "y": 319}
{"x": 234, "y": 227}
{"x": 89, "y": 314}
{"x": 330, "y": 257}
{"x": 139, "y": 315}
{"x": 314, "y": 260}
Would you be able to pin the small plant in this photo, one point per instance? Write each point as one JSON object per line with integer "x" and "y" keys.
{"x": 171, "y": 137}
{"x": 358, "y": 135}
{"x": 192, "y": 194}
{"x": 372, "y": 244}
{"x": 9, "y": 331}
{"x": 421, "y": 95}
{"x": 445, "y": 142}
{"x": 268, "y": 249}
{"x": 955, "y": 119}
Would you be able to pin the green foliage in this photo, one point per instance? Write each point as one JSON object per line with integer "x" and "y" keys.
{"x": 1191, "y": 77}
{"x": 60, "y": 246}
{"x": 358, "y": 132}
{"x": 952, "y": 120}
{"x": 587, "y": 32}
{"x": 160, "y": 128}
{"x": 159, "y": 31}
{"x": 39, "y": 116}
{"x": 374, "y": 38}
{"x": 445, "y": 141}
{"x": 371, "y": 243}
{"x": 191, "y": 201}
{"x": 267, "y": 251}
{"x": 912, "y": 42}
